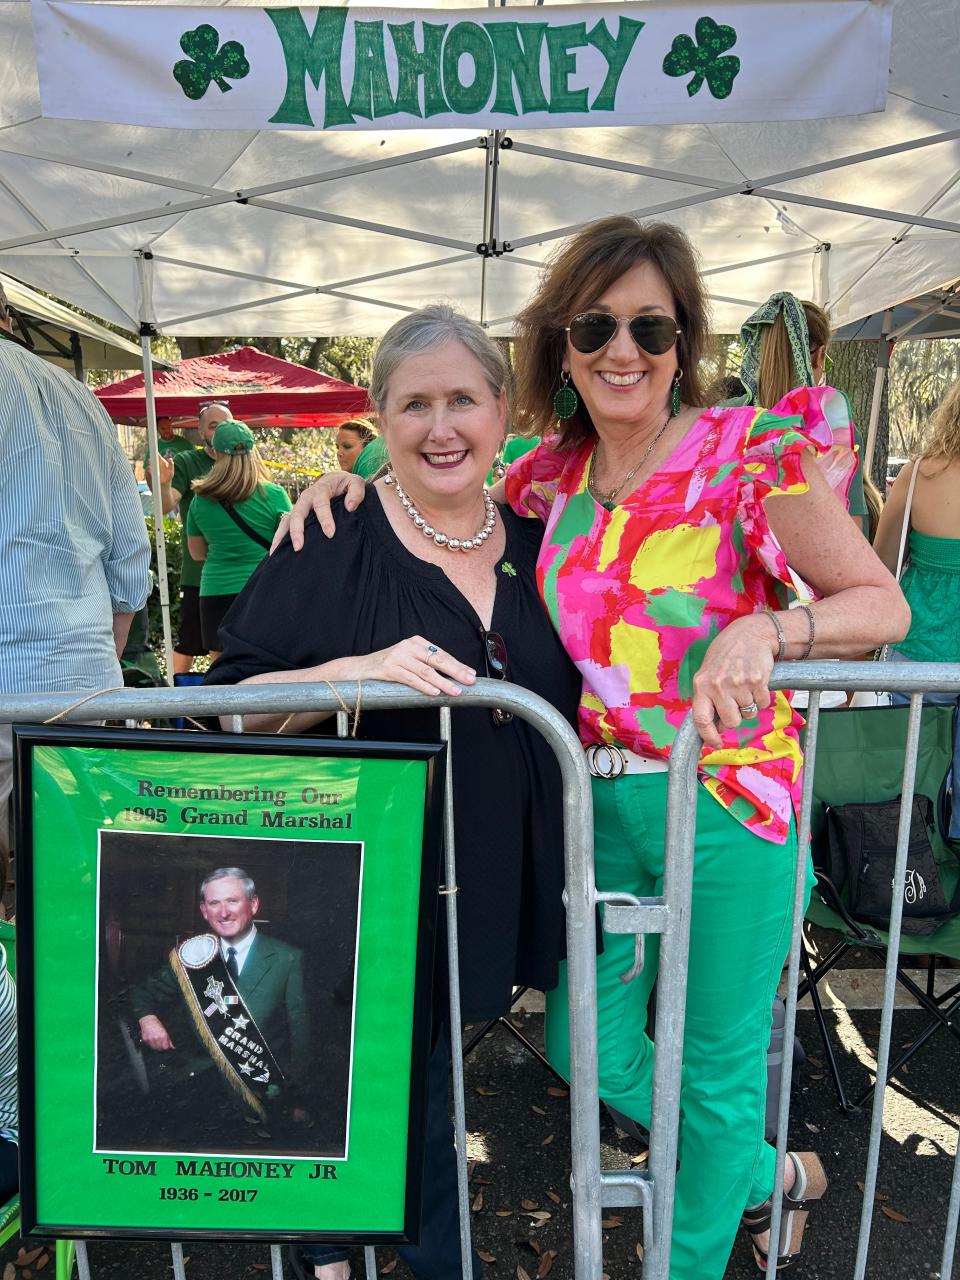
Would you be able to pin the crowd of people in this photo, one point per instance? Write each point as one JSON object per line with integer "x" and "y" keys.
{"x": 643, "y": 548}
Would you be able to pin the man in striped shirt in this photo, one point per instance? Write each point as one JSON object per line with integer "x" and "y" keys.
{"x": 74, "y": 552}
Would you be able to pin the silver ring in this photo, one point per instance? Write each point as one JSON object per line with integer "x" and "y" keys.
{"x": 432, "y": 648}
{"x": 749, "y": 710}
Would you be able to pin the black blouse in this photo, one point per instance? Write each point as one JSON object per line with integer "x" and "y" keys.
{"x": 363, "y": 591}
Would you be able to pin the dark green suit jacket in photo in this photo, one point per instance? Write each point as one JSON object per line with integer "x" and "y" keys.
{"x": 271, "y": 984}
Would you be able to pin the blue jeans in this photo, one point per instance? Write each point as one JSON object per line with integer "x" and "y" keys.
{"x": 437, "y": 1256}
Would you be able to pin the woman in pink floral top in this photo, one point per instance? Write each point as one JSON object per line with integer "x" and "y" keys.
{"x": 669, "y": 530}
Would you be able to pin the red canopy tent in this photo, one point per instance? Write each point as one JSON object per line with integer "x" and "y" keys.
{"x": 259, "y": 389}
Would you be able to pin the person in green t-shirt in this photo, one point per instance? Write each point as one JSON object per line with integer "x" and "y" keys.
{"x": 233, "y": 516}
{"x": 514, "y": 447}
{"x": 353, "y": 436}
{"x": 177, "y": 475}
{"x": 169, "y": 444}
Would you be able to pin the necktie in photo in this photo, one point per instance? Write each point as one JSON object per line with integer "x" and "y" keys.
{"x": 232, "y": 967}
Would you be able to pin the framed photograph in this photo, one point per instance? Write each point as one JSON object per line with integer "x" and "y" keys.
{"x": 225, "y": 953}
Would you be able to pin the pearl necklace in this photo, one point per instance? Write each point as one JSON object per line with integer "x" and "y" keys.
{"x": 443, "y": 539}
{"x": 608, "y": 495}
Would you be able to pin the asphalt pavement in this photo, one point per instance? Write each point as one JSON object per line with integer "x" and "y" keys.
{"x": 518, "y": 1145}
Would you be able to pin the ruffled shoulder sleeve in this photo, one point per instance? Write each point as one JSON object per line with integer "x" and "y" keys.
{"x": 828, "y": 425}
{"x": 533, "y": 481}
{"x": 773, "y": 460}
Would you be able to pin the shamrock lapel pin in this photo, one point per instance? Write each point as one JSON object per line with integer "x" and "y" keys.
{"x": 207, "y": 63}
{"x": 704, "y": 58}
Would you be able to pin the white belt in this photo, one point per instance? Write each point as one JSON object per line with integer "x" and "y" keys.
{"x": 608, "y": 760}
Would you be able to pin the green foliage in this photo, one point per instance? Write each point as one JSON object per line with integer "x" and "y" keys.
{"x": 171, "y": 536}
{"x": 206, "y": 63}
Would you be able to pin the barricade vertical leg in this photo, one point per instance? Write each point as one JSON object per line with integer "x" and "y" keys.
{"x": 793, "y": 968}
{"x": 449, "y": 890}
{"x": 370, "y": 1262}
{"x": 176, "y": 1252}
{"x": 672, "y": 994}
{"x": 276, "y": 1262}
{"x": 889, "y": 986}
{"x": 83, "y": 1264}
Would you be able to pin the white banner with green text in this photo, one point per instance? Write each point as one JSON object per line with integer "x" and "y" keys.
{"x": 549, "y": 66}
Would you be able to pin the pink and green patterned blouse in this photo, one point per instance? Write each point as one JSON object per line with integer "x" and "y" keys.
{"x": 638, "y": 592}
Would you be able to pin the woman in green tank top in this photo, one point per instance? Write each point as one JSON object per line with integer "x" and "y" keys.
{"x": 931, "y": 579}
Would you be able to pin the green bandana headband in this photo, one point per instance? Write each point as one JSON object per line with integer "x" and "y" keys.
{"x": 751, "y": 332}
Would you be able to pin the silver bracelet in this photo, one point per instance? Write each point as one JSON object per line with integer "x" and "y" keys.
{"x": 781, "y": 638}
{"x": 812, "y": 634}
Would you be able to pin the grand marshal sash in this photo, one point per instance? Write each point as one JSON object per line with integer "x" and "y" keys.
{"x": 224, "y": 1023}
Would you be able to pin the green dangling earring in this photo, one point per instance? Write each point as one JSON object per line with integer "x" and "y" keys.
{"x": 675, "y": 394}
{"x": 566, "y": 401}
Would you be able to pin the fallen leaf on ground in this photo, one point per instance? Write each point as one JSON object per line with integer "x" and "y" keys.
{"x": 539, "y": 1110}
{"x": 640, "y": 1159}
{"x": 814, "y": 1128}
{"x": 554, "y": 1092}
{"x": 477, "y": 1202}
{"x": 504, "y": 1213}
{"x": 486, "y": 1092}
{"x": 486, "y": 1257}
{"x": 552, "y": 1195}
{"x": 547, "y": 1140}
{"x": 521, "y": 1274}
{"x": 387, "y": 1267}
{"x": 815, "y": 1062}
{"x": 27, "y": 1258}
{"x": 9, "y": 1272}
{"x": 893, "y": 1214}
{"x": 529, "y": 1204}
{"x": 877, "y": 1195}
{"x": 639, "y": 1250}
{"x": 541, "y": 1215}
{"x": 42, "y": 1262}
{"x": 608, "y": 1224}
{"x": 546, "y": 1262}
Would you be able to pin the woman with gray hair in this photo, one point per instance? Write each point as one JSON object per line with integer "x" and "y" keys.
{"x": 430, "y": 583}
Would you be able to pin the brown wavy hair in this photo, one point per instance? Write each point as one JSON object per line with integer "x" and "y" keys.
{"x": 579, "y": 273}
{"x": 943, "y": 438}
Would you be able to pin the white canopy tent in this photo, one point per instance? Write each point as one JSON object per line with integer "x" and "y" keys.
{"x": 201, "y": 233}
{"x": 65, "y": 338}
{"x": 191, "y": 232}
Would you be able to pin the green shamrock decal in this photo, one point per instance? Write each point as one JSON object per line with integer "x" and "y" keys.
{"x": 704, "y": 58}
{"x": 206, "y": 63}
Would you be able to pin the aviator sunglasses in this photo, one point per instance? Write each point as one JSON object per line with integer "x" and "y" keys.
{"x": 590, "y": 331}
{"x": 496, "y": 663}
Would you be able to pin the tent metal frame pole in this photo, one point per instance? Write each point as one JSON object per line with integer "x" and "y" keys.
{"x": 821, "y": 274}
{"x": 147, "y": 330}
{"x": 863, "y": 210}
{"x": 883, "y": 364}
{"x": 233, "y": 273}
{"x": 788, "y": 175}
{"x": 268, "y": 188}
{"x": 283, "y": 297}
{"x": 934, "y": 307}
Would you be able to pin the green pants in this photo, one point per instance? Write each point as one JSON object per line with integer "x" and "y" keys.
{"x": 739, "y": 936}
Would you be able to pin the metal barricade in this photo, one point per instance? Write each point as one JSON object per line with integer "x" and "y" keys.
{"x": 133, "y": 706}
{"x": 668, "y": 915}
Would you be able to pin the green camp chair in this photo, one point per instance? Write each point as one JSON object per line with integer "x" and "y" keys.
{"x": 859, "y": 759}
{"x": 10, "y": 1212}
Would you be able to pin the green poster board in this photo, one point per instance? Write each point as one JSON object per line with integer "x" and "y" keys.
{"x": 174, "y": 1084}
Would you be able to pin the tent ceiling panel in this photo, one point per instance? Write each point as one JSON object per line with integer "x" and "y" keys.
{"x": 131, "y": 172}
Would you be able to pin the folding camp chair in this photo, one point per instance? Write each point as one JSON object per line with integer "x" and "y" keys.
{"x": 859, "y": 759}
{"x": 10, "y": 1212}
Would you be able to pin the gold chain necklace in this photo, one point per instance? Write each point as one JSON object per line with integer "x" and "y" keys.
{"x": 608, "y": 495}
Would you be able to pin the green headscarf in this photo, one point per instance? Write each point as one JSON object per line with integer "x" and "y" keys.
{"x": 751, "y": 333}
